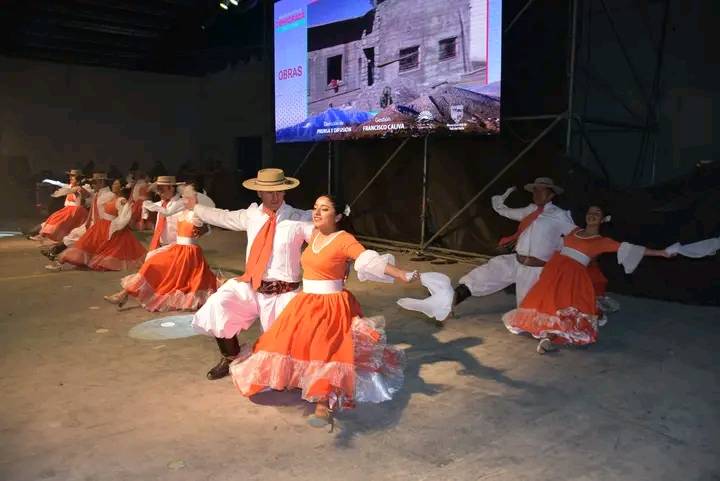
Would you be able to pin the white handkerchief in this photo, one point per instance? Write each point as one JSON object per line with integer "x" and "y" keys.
{"x": 439, "y": 304}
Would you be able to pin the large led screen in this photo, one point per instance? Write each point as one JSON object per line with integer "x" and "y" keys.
{"x": 353, "y": 69}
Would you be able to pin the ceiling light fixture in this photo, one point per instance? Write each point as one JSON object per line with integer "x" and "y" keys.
{"x": 223, "y": 5}
{"x": 234, "y": 2}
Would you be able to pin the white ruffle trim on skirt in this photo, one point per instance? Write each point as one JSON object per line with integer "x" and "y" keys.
{"x": 173, "y": 301}
{"x": 377, "y": 371}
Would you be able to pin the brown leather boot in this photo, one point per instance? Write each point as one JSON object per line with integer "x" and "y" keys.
{"x": 230, "y": 349}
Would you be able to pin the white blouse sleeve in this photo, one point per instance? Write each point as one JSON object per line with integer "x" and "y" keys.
{"x": 370, "y": 266}
{"x": 629, "y": 256}
{"x": 498, "y": 205}
{"x": 122, "y": 219}
{"x": 233, "y": 220}
{"x": 170, "y": 210}
{"x": 61, "y": 192}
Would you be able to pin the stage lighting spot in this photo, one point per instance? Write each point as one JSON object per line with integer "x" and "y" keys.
{"x": 8, "y": 233}
{"x": 173, "y": 327}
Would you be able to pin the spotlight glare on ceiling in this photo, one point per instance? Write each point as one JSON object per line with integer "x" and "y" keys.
{"x": 234, "y": 2}
{"x": 223, "y": 5}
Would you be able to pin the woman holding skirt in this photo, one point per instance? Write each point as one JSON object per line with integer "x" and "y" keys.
{"x": 175, "y": 276}
{"x": 322, "y": 343}
{"x": 72, "y": 215}
{"x": 561, "y": 308}
{"x": 108, "y": 245}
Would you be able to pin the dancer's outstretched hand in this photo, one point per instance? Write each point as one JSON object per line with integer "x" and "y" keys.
{"x": 510, "y": 191}
{"x": 410, "y": 276}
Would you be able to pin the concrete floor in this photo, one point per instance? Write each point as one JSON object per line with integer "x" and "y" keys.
{"x": 478, "y": 404}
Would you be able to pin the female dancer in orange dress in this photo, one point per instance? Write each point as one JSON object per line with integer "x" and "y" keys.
{"x": 321, "y": 343}
{"x": 108, "y": 245}
{"x": 61, "y": 222}
{"x": 175, "y": 276}
{"x": 561, "y": 308}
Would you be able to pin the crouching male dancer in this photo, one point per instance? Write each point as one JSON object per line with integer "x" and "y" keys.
{"x": 275, "y": 236}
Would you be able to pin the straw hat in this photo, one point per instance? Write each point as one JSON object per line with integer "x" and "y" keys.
{"x": 271, "y": 180}
{"x": 544, "y": 182}
{"x": 99, "y": 176}
{"x": 166, "y": 180}
{"x": 74, "y": 172}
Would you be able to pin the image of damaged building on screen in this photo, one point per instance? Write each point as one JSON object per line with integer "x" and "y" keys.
{"x": 402, "y": 68}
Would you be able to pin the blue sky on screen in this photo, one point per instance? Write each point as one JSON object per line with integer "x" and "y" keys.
{"x": 321, "y": 12}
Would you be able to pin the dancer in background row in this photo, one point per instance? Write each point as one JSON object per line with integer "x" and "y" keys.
{"x": 321, "y": 343}
{"x": 100, "y": 192}
{"x": 168, "y": 208}
{"x": 175, "y": 276}
{"x": 561, "y": 308}
{"x": 108, "y": 245}
{"x": 276, "y": 233}
{"x": 72, "y": 215}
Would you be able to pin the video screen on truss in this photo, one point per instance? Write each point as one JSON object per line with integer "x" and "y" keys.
{"x": 354, "y": 69}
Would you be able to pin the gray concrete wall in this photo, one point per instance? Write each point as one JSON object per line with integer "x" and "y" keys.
{"x": 58, "y": 116}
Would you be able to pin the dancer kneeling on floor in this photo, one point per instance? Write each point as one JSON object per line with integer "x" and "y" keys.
{"x": 321, "y": 343}
{"x": 561, "y": 307}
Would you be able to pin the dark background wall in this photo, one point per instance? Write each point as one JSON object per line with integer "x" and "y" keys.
{"x": 59, "y": 115}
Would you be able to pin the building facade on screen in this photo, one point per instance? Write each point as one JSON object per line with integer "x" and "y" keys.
{"x": 395, "y": 52}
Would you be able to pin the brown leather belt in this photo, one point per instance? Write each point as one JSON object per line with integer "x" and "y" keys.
{"x": 530, "y": 261}
{"x": 277, "y": 287}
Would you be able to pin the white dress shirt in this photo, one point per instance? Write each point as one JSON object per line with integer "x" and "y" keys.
{"x": 172, "y": 212}
{"x": 293, "y": 228}
{"x": 543, "y": 237}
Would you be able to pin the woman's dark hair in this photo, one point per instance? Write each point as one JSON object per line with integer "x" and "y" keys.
{"x": 579, "y": 214}
{"x": 197, "y": 183}
{"x": 337, "y": 202}
{"x": 125, "y": 192}
{"x": 339, "y": 205}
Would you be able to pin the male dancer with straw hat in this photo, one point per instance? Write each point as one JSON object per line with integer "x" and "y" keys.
{"x": 275, "y": 233}
{"x": 169, "y": 208}
{"x": 537, "y": 238}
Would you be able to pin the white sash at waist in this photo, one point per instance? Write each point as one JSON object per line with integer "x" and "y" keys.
{"x": 186, "y": 241}
{"x": 71, "y": 203}
{"x": 575, "y": 255}
{"x": 106, "y": 216}
{"x": 311, "y": 286}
